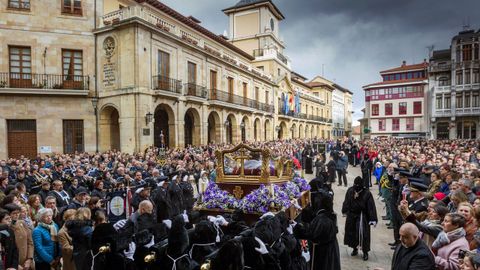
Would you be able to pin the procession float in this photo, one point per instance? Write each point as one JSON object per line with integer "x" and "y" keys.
{"x": 255, "y": 182}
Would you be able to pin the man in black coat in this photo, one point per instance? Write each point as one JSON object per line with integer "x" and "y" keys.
{"x": 412, "y": 254}
{"x": 359, "y": 207}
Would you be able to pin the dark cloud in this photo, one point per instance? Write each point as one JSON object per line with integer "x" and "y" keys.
{"x": 353, "y": 39}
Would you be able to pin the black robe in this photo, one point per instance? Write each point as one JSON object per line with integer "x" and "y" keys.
{"x": 331, "y": 169}
{"x": 175, "y": 193}
{"x": 360, "y": 212}
{"x": 322, "y": 236}
{"x": 367, "y": 167}
{"x": 308, "y": 161}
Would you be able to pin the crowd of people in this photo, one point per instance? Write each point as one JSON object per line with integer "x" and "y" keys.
{"x": 54, "y": 214}
{"x": 53, "y": 209}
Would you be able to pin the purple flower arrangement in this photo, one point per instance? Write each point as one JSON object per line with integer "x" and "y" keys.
{"x": 214, "y": 197}
{"x": 259, "y": 200}
{"x": 301, "y": 183}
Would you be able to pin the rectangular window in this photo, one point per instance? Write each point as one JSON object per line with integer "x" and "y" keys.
{"x": 447, "y": 101}
{"x": 438, "y": 102}
{"x": 213, "y": 84}
{"x": 72, "y": 7}
{"x": 410, "y": 123}
{"x": 388, "y": 108}
{"x": 475, "y": 99}
{"x": 266, "y": 97}
{"x": 381, "y": 124}
{"x": 476, "y": 76}
{"x": 459, "y": 77}
{"x": 467, "y": 100}
{"x": 72, "y": 61}
{"x": 374, "y": 109}
{"x": 395, "y": 124}
{"x": 20, "y": 61}
{"x": 459, "y": 100}
{"x": 192, "y": 73}
{"x": 409, "y": 75}
{"x": 73, "y": 140}
{"x": 230, "y": 89}
{"x": 417, "y": 107}
{"x": 467, "y": 52}
{"x": 397, "y": 76}
{"x": 476, "y": 52}
{"x": 163, "y": 64}
{"x": 402, "y": 108}
{"x": 19, "y": 4}
{"x": 467, "y": 77}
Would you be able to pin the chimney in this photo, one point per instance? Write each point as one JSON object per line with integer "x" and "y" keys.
{"x": 404, "y": 63}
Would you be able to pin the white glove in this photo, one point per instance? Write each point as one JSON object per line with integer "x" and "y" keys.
{"x": 185, "y": 216}
{"x": 220, "y": 220}
{"x": 212, "y": 219}
{"x": 152, "y": 242}
{"x": 262, "y": 249}
{"x": 268, "y": 214}
{"x": 167, "y": 222}
{"x": 374, "y": 223}
{"x": 119, "y": 224}
{"x": 290, "y": 227}
{"x": 131, "y": 250}
{"x": 306, "y": 255}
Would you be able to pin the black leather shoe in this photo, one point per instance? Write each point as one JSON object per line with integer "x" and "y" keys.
{"x": 393, "y": 244}
{"x": 365, "y": 256}
{"x": 393, "y": 248}
{"x": 385, "y": 218}
{"x": 354, "y": 252}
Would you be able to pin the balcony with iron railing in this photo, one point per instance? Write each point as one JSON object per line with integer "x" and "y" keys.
{"x": 218, "y": 95}
{"x": 163, "y": 83}
{"x": 192, "y": 89}
{"x": 44, "y": 82}
{"x": 270, "y": 53}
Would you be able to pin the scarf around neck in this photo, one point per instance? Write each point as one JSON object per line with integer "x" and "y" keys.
{"x": 51, "y": 228}
{"x": 444, "y": 238}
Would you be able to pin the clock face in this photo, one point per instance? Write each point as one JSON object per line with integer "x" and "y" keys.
{"x": 116, "y": 206}
{"x": 272, "y": 24}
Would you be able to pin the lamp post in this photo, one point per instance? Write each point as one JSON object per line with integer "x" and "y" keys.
{"x": 277, "y": 129}
{"x": 292, "y": 130}
{"x": 95, "y": 111}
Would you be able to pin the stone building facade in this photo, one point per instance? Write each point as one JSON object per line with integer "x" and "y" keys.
{"x": 454, "y": 80}
{"x": 128, "y": 75}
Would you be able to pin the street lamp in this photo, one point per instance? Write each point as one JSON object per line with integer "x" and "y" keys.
{"x": 277, "y": 128}
{"x": 227, "y": 123}
{"x": 95, "y": 111}
{"x": 242, "y": 125}
{"x": 148, "y": 118}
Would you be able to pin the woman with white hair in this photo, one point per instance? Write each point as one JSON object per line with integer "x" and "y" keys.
{"x": 47, "y": 249}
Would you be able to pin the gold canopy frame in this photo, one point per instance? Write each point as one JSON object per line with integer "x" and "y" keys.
{"x": 283, "y": 167}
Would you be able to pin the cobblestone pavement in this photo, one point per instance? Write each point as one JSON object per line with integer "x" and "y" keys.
{"x": 380, "y": 254}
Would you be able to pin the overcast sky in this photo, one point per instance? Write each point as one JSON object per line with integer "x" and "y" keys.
{"x": 353, "y": 39}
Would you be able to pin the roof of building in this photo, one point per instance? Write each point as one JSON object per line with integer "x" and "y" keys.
{"x": 441, "y": 55}
{"x": 246, "y": 3}
{"x": 405, "y": 67}
{"x": 341, "y": 88}
{"x": 295, "y": 80}
{"x": 467, "y": 34}
{"x": 297, "y": 75}
{"x": 193, "y": 24}
{"x": 320, "y": 84}
{"x": 416, "y": 81}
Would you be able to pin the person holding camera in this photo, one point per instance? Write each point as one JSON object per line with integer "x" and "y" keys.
{"x": 341, "y": 166}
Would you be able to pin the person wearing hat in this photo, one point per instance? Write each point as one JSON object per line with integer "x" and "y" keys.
{"x": 142, "y": 193}
{"x": 80, "y": 198}
{"x": 23, "y": 236}
{"x": 418, "y": 203}
{"x": 162, "y": 200}
{"x": 359, "y": 208}
{"x": 400, "y": 181}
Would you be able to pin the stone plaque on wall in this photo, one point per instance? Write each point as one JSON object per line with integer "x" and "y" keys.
{"x": 109, "y": 64}
{"x": 146, "y": 132}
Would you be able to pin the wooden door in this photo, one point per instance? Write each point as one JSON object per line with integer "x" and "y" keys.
{"x": 213, "y": 84}
{"x": 22, "y": 138}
